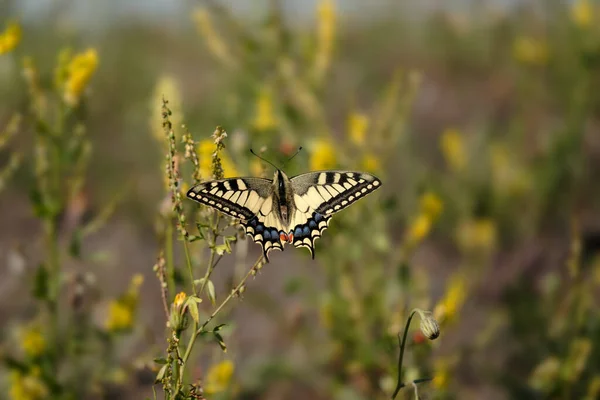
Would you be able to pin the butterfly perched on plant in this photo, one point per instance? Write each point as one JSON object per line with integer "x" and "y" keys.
{"x": 285, "y": 210}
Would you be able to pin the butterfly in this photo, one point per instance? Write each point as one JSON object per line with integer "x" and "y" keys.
{"x": 285, "y": 210}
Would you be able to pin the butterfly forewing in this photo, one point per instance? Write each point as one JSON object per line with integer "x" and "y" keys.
{"x": 318, "y": 195}
{"x": 250, "y": 200}
{"x": 238, "y": 197}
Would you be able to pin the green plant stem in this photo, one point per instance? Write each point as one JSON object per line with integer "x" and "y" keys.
{"x": 402, "y": 342}
{"x": 188, "y": 261}
{"x": 169, "y": 260}
{"x": 231, "y": 295}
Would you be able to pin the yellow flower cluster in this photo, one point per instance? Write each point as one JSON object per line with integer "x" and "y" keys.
{"x": 325, "y": 36}
{"x": 179, "y": 299}
{"x": 33, "y": 342}
{"x": 206, "y": 29}
{"x": 168, "y": 88}
{"x": 206, "y": 148}
{"x": 451, "y": 303}
{"x": 430, "y": 208}
{"x": 80, "y": 70}
{"x": 530, "y": 51}
{"x": 477, "y": 235}
{"x": 323, "y": 155}
{"x": 357, "y": 128}
{"x": 121, "y": 312}
{"x": 453, "y": 149}
{"x": 264, "y": 119}
{"x": 370, "y": 163}
{"x": 218, "y": 377}
{"x": 10, "y": 37}
{"x": 28, "y": 386}
{"x": 582, "y": 13}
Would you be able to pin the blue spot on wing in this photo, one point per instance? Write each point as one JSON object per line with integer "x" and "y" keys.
{"x": 318, "y": 217}
{"x": 298, "y": 231}
{"x": 267, "y": 235}
{"x": 306, "y": 231}
{"x": 312, "y": 224}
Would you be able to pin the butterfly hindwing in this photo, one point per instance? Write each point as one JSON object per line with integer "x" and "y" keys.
{"x": 318, "y": 195}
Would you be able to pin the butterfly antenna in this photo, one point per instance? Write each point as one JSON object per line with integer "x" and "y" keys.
{"x": 264, "y": 159}
{"x": 292, "y": 157}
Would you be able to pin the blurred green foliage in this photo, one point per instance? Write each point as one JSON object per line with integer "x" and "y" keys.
{"x": 482, "y": 124}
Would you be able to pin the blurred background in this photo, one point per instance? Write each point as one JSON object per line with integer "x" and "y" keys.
{"x": 480, "y": 117}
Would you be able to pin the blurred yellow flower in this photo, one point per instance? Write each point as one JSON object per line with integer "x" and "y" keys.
{"x": 453, "y": 148}
{"x": 218, "y": 377}
{"x": 265, "y": 118}
{"x": 325, "y": 36}
{"x": 530, "y": 51}
{"x": 431, "y": 205}
{"x": 80, "y": 70}
{"x": 121, "y": 311}
{"x": 508, "y": 176}
{"x": 477, "y": 234}
{"x": 256, "y": 168}
{"x": 582, "y": 13}
{"x": 370, "y": 163}
{"x": 28, "y": 387}
{"x": 168, "y": 88}
{"x": 418, "y": 229}
{"x": 33, "y": 342}
{"x": 120, "y": 316}
{"x": 357, "y": 128}
{"x": 323, "y": 155}
{"x": 447, "y": 308}
{"x": 206, "y": 148}
{"x": 545, "y": 374}
{"x": 10, "y": 37}
{"x": 206, "y": 29}
{"x": 441, "y": 377}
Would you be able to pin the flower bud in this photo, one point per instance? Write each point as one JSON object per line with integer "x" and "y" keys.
{"x": 429, "y": 326}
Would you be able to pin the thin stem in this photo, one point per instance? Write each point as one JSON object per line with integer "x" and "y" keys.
{"x": 169, "y": 259}
{"x": 233, "y": 293}
{"x": 188, "y": 261}
{"x": 402, "y": 343}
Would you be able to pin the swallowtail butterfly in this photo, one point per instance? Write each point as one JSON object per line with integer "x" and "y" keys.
{"x": 285, "y": 210}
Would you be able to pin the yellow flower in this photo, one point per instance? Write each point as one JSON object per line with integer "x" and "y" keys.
{"x": 418, "y": 229}
{"x": 453, "y": 149}
{"x": 265, "y": 118}
{"x": 507, "y": 175}
{"x": 213, "y": 41}
{"x": 325, "y": 36}
{"x": 450, "y": 304}
{"x": 121, "y": 311}
{"x": 477, "y": 234}
{"x": 582, "y": 13}
{"x": 431, "y": 205}
{"x": 206, "y": 148}
{"x": 33, "y": 342}
{"x": 530, "y": 51}
{"x": 441, "y": 378}
{"x": 323, "y": 155}
{"x": 370, "y": 163}
{"x": 80, "y": 70}
{"x": 256, "y": 167}
{"x": 357, "y": 128}
{"x": 218, "y": 377}
{"x": 120, "y": 316}
{"x": 28, "y": 387}
{"x": 10, "y": 37}
{"x": 168, "y": 88}
{"x": 179, "y": 299}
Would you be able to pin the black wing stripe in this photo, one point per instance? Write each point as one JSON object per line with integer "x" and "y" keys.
{"x": 305, "y": 234}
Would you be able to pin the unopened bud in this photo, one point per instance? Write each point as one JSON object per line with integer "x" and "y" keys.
{"x": 429, "y": 326}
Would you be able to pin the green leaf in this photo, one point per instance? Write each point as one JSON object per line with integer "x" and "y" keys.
{"x": 160, "y": 360}
{"x": 40, "y": 283}
{"x": 220, "y": 341}
{"x": 75, "y": 245}
{"x": 211, "y": 292}
{"x": 161, "y": 374}
{"x": 192, "y": 306}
